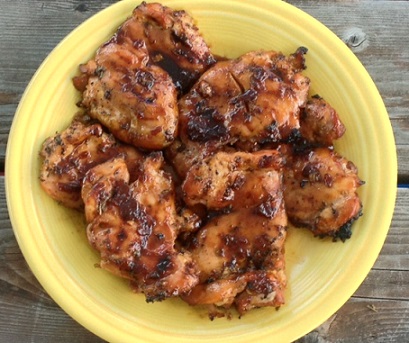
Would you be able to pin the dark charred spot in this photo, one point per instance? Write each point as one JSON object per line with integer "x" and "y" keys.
{"x": 182, "y": 78}
{"x": 258, "y": 78}
{"x": 311, "y": 172}
{"x": 207, "y": 125}
{"x": 99, "y": 72}
{"x": 161, "y": 268}
{"x": 239, "y": 181}
{"x": 294, "y": 137}
{"x": 235, "y": 248}
{"x": 266, "y": 209}
{"x": 122, "y": 235}
{"x": 144, "y": 78}
{"x": 345, "y": 231}
{"x": 265, "y": 161}
{"x": 261, "y": 285}
{"x": 70, "y": 187}
{"x": 303, "y": 183}
{"x": 107, "y": 94}
{"x": 58, "y": 140}
{"x": 298, "y": 58}
{"x": 248, "y": 96}
{"x": 159, "y": 296}
{"x": 273, "y": 132}
{"x": 131, "y": 210}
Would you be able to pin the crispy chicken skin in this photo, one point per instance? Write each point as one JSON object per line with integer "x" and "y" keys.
{"x": 67, "y": 156}
{"x": 250, "y": 100}
{"x": 320, "y": 123}
{"x": 320, "y": 192}
{"x": 134, "y": 227}
{"x": 239, "y": 254}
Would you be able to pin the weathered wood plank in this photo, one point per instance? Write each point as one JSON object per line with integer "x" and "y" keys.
{"x": 32, "y": 32}
{"x": 27, "y": 313}
{"x": 395, "y": 252}
{"x": 364, "y": 320}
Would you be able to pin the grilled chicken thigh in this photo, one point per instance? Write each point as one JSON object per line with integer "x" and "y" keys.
{"x": 173, "y": 42}
{"x": 134, "y": 227}
{"x": 247, "y": 101}
{"x": 239, "y": 254}
{"x": 68, "y": 155}
{"x": 320, "y": 123}
{"x": 135, "y": 100}
{"x": 320, "y": 192}
{"x": 233, "y": 180}
{"x": 240, "y": 257}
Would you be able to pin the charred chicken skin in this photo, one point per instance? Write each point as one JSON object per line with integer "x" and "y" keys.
{"x": 320, "y": 192}
{"x": 239, "y": 254}
{"x": 68, "y": 155}
{"x": 173, "y": 42}
{"x": 247, "y": 101}
{"x": 134, "y": 227}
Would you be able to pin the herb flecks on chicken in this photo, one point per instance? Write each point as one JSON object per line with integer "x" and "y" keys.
{"x": 134, "y": 227}
{"x": 248, "y": 101}
{"x": 320, "y": 192}
{"x": 68, "y": 155}
{"x": 239, "y": 254}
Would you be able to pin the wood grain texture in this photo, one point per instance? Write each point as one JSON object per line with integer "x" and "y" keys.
{"x": 377, "y": 32}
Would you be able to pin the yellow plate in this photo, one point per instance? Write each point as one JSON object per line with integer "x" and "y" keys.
{"x": 322, "y": 275}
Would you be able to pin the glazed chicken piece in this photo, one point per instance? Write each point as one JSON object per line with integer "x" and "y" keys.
{"x": 247, "y": 101}
{"x": 173, "y": 42}
{"x": 319, "y": 122}
{"x": 183, "y": 155}
{"x": 320, "y": 192}
{"x": 134, "y": 227}
{"x": 240, "y": 253}
{"x": 233, "y": 180}
{"x": 68, "y": 155}
{"x": 136, "y": 101}
{"x": 240, "y": 256}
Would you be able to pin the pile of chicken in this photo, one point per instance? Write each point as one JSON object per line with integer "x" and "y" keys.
{"x": 189, "y": 167}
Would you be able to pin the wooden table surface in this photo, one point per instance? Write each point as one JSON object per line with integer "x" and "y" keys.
{"x": 377, "y": 31}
